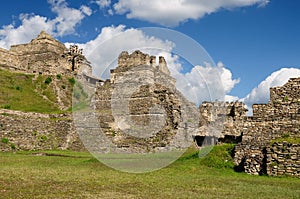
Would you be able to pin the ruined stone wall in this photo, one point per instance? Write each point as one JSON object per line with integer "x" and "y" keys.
{"x": 35, "y": 131}
{"x": 45, "y": 55}
{"x": 139, "y": 85}
{"x": 229, "y": 117}
{"x": 290, "y": 92}
{"x": 126, "y": 61}
{"x": 283, "y": 158}
{"x": 8, "y": 60}
{"x": 275, "y": 120}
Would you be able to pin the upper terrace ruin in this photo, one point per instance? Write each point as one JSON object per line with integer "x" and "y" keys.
{"x": 44, "y": 55}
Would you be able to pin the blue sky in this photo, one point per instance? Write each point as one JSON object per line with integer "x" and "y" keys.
{"x": 253, "y": 39}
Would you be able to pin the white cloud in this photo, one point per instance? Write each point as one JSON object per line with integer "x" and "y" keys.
{"x": 226, "y": 78}
{"x": 261, "y": 94}
{"x": 103, "y": 3}
{"x": 86, "y": 10}
{"x": 206, "y": 83}
{"x": 31, "y": 25}
{"x": 67, "y": 18}
{"x": 30, "y": 28}
{"x": 201, "y": 83}
{"x": 171, "y": 13}
{"x": 230, "y": 98}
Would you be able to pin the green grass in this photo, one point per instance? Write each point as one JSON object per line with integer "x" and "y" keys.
{"x": 286, "y": 137}
{"x": 292, "y": 140}
{"x": 22, "y": 92}
{"x": 79, "y": 175}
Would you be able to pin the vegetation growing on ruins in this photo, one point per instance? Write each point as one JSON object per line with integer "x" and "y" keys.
{"x": 286, "y": 138}
{"x": 32, "y": 93}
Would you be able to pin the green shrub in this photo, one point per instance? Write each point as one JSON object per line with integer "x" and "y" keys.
{"x": 4, "y": 140}
{"x": 18, "y": 88}
{"x": 58, "y": 76}
{"x": 7, "y": 106}
{"x": 285, "y": 135}
{"x": 43, "y": 138}
{"x": 48, "y": 80}
{"x": 63, "y": 87}
{"x": 13, "y": 146}
{"x": 72, "y": 81}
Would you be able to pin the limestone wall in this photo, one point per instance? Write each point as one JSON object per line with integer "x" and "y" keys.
{"x": 290, "y": 92}
{"x": 138, "y": 85}
{"x": 35, "y": 131}
{"x": 283, "y": 159}
{"x": 44, "y": 55}
{"x": 229, "y": 116}
{"x": 137, "y": 58}
{"x": 8, "y": 60}
{"x": 272, "y": 121}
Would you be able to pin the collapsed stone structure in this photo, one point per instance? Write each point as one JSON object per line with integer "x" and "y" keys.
{"x": 45, "y": 55}
{"x": 220, "y": 122}
{"x": 139, "y": 108}
{"x": 267, "y": 145}
{"x": 265, "y": 140}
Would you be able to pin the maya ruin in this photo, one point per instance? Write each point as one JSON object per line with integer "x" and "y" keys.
{"x": 266, "y": 143}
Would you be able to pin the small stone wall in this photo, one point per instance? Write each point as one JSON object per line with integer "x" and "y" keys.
{"x": 283, "y": 159}
{"x": 229, "y": 117}
{"x": 278, "y": 119}
{"x": 35, "y": 131}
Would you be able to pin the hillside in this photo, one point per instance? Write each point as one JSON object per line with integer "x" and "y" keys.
{"x": 35, "y": 93}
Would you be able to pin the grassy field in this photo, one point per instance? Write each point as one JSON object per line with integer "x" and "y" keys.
{"x": 79, "y": 175}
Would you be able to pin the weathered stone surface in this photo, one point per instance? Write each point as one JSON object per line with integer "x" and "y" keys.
{"x": 280, "y": 118}
{"x": 229, "y": 116}
{"x": 138, "y": 85}
{"x": 35, "y": 131}
{"x": 283, "y": 157}
{"x": 44, "y": 55}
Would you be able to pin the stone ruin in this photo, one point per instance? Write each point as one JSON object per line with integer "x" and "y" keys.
{"x": 264, "y": 141}
{"x": 220, "y": 122}
{"x": 139, "y": 108}
{"x": 44, "y": 55}
{"x": 269, "y": 143}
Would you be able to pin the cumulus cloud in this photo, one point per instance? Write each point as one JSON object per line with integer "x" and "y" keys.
{"x": 261, "y": 94}
{"x": 205, "y": 83}
{"x": 31, "y": 26}
{"x": 86, "y": 10}
{"x": 67, "y": 18}
{"x": 231, "y": 98}
{"x": 63, "y": 24}
{"x": 201, "y": 83}
{"x": 171, "y": 13}
{"x": 103, "y": 3}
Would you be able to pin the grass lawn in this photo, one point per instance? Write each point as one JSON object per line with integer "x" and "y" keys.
{"x": 79, "y": 175}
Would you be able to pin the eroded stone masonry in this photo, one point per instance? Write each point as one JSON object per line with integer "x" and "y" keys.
{"x": 44, "y": 55}
{"x": 270, "y": 141}
{"x": 266, "y": 143}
